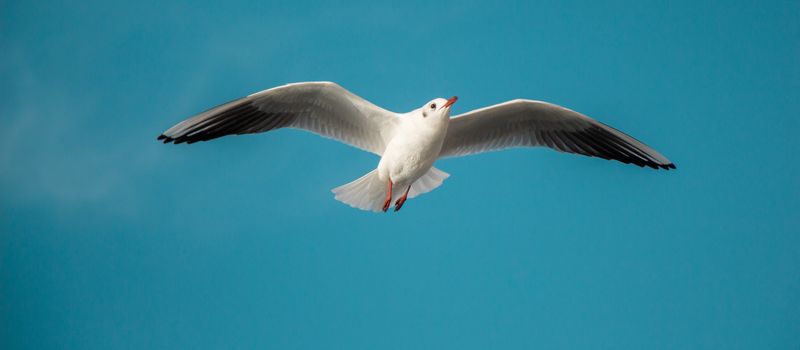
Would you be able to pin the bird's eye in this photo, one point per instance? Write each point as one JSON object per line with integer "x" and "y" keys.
{"x": 433, "y": 106}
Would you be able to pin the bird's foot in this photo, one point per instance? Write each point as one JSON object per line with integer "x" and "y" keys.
{"x": 399, "y": 203}
{"x": 386, "y": 204}
{"x": 388, "y": 200}
{"x": 401, "y": 200}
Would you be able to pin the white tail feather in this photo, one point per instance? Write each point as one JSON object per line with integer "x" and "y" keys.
{"x": 428, "y": 182}
{"x": 368, "y": 192}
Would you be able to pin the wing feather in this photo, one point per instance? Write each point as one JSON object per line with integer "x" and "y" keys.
{"x": 526, "y": 123}
{"x": 323, "y": 108}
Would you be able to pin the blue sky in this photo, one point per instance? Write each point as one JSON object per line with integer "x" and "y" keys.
{"x": 109, "y": 239}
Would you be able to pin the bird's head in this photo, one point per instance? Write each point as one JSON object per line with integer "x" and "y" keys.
{"x": 438, "y": 107}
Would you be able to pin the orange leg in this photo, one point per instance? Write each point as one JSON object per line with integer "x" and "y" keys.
{"x": 401, "y": 200}
{"x": 388, "y": 197}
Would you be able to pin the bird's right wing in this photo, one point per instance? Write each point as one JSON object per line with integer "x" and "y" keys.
{"x": 323, "y": 108}
{"x": 526, "y": 123}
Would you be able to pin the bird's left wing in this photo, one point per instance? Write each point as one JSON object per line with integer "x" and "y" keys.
{"x": 323, "y": 108}
{"x": 526, "y": 123}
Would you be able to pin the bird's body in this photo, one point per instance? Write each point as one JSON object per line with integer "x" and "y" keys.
{"x": 413, "y": 148}
{"x": 410, "y": 143}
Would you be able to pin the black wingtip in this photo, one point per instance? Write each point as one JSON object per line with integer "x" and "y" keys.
{"x": 667, "y": 166}
{"x": 164, "y": 138}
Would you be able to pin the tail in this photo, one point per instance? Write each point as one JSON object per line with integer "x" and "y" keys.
{"x": 368, "y": 192}
{"x": 428, "y": 182}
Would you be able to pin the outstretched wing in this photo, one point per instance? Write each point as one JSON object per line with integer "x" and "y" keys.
{"x": 323, "y": 108}
{"x": 526, "y": 123}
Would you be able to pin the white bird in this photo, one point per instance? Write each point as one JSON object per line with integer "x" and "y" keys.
{"x": 409, "y": 143}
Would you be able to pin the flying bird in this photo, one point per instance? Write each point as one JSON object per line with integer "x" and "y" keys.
{"x": 409, "y": 143}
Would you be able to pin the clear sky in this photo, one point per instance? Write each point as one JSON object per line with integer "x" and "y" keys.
{"x": 109, "y": 239}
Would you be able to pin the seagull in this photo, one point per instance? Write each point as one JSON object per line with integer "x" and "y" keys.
{"x": 409, "y": 143}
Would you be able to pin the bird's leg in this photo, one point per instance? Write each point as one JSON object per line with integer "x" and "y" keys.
{"x": 388, "y": 200}
{"x": 401, "y": 200}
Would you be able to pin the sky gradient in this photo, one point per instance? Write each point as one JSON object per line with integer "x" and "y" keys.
{"x": 111, "y": 240}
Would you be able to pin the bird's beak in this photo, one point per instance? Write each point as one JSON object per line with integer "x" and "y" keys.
{"x": 450, "y": 101}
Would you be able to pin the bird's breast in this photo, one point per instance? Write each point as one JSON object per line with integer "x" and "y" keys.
{"x": 410, "y": 154}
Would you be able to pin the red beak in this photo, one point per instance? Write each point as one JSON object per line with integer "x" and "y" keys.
{"x": 450, "y": 101}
